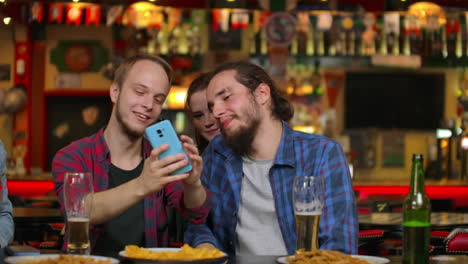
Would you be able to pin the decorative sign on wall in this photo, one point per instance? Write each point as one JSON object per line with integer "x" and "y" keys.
{"x": 68, "y": 80}
{"x": 79, "y": 56}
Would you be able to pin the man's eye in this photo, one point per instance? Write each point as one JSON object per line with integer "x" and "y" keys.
{"x": 159, "y": 100}
{"x": 140, "y": 92}
{"x": 226, "y": 97}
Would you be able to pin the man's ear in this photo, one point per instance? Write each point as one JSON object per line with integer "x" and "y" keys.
{"x": 114, "y": 92}
{"x": 262, "y": 93}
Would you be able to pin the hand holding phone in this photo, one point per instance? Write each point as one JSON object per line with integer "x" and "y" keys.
{"x": 163, "y": 133}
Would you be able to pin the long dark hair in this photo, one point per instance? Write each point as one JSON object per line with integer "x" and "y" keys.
{"x": 198, "y": 84}
{"x": 251, "y": 76}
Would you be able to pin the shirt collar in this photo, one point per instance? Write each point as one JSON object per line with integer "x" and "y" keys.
{"x": 286, "y": 154}
{"x": 102, "y": 145}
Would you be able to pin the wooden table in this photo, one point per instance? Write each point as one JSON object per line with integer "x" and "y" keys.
{"x": 32, "y": 223}
{"x": 439, "y": 221}
{"x": 36, "y": 215}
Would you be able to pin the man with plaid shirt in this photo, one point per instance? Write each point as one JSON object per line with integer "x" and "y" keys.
{"x": 250, "y": 168}
{"x": 131, "y": 183}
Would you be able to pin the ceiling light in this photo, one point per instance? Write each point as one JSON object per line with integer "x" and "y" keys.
{"x": 7, "y": 20}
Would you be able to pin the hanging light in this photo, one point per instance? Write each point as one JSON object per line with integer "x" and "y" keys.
{"x": 6, "y": 20}
{"x": 423, "y": 10}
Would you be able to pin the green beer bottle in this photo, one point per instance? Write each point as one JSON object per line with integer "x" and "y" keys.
{"x": 416, "y": 217}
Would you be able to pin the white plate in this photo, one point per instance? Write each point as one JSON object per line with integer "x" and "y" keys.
{"x": 19, "y": 259}
{"x": 162, "y": 261}
{"x": 370, "y": 259}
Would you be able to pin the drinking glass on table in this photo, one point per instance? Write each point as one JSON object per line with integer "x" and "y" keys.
{"x": 77, "y": 195}
{"x": 308, "y": 199}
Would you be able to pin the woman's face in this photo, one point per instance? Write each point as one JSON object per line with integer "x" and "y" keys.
{"x": 202, "y": 119}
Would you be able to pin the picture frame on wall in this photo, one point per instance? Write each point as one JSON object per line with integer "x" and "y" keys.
{"x": 71, "y": 117}
{"x": 5, "y": 72}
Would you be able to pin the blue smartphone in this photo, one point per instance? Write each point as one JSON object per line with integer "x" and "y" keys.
{"x": 163, "y": 133}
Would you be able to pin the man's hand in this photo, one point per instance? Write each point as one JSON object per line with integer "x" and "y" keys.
{"x": 197, "y": 164}
{"x": 206, "y": 245}
{"x": 194, "y": 192}
{"x": 155, "y": 174}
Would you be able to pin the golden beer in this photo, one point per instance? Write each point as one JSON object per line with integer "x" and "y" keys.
{"x": 307, "y": 226}
{"x": 78, "y": 236}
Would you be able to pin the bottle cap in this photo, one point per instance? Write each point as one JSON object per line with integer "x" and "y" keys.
{"x": 417, "y": 156}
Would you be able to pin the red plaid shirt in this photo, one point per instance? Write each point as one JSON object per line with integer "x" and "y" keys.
{"x": 91, "y": 154}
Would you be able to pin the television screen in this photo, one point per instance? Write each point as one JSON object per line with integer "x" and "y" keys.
{"x": 401, "y": 100}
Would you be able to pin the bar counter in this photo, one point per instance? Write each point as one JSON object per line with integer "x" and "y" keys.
{"x": 43, "y": 185}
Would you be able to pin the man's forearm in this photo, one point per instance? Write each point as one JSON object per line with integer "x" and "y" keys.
{"x": 113, "y": 202}
{"x": 194, "y": 195}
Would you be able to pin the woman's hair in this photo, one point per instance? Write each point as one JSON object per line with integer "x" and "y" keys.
{"x": 198, "y": 84}
{"x": 127, "y": 64}
{"x": 251, "y": 76}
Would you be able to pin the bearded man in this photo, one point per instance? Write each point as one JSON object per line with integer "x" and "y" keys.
{"x": 250, "y": 167}
{"x": 132, "y": 186}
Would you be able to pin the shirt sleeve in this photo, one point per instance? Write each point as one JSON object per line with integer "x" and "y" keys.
{"x": 338, "y": 224}
{"x": 175, "y": 196}
{"x": 6, "y": 217}
{"x": 198, "y": 233}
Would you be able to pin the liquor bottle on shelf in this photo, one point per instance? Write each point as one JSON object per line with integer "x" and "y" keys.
{"x": 310, "y": 45}
{"x": 416, "y": 217}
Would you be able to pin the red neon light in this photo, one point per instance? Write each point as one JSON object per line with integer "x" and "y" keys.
{"x": 458, "y": 193}
{"x": 27, "y": 189}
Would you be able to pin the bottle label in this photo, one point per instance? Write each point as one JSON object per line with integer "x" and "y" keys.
{"x": 416, "y": 224}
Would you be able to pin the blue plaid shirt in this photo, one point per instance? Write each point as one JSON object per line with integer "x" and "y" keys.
{"x": 298, "y": 154}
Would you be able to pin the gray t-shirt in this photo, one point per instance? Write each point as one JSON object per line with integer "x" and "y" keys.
{"x": 258, "y": 231}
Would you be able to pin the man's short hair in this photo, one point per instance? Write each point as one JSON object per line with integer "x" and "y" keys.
{"x": 127, "y": 64}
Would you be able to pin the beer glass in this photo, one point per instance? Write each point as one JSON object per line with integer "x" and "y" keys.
{"x": 77, "y": 195}
{"x": 308, "y": 199}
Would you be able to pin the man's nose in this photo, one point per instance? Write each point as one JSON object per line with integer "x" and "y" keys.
{"x": 217, "y": 110}
{"x": 148, "y": 102}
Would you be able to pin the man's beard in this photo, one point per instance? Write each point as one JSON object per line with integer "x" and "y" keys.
{"x": 241, "y": 140}
{"x": 133, "y": 134}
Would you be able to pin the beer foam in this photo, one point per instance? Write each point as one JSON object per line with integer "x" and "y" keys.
{"x": 308, "y": 213}
{"x": 78, "y": 219}
{"x": 310, "y": 207}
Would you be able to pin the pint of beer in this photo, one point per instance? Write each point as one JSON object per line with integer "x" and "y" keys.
{"x": 308, "y": 198}
{"x": 78, "y": 191}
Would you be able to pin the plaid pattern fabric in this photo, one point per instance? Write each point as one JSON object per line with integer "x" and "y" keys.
{"x": 298, "y": 154}
{"x": 91, "y": 154}
{"x": 6, "y": 216}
